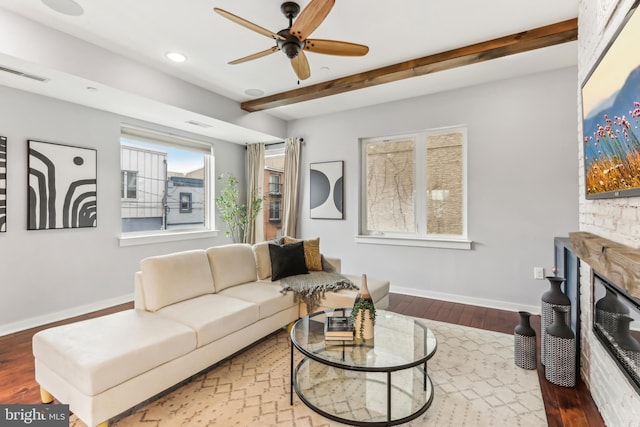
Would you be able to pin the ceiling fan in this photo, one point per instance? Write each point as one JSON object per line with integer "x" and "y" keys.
{"x": 293, "y": 40}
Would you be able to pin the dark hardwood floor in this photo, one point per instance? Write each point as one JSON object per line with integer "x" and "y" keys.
{"x": 565, "y": 407}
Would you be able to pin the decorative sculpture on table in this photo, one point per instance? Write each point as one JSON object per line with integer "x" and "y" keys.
{"x": 363, "y": 314}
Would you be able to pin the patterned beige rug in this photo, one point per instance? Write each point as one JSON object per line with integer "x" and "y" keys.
{"x": 475, "y": 381}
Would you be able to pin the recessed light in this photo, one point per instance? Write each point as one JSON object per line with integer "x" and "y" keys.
{"x": 176, "y": 56}
{"x": 254, "y": 92}
{"x": 66, "y": 7}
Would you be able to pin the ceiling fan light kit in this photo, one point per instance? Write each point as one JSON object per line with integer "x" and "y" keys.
{"x": 293, "y": 40}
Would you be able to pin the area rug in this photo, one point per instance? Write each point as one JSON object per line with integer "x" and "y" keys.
{"x": 475, "y": 382}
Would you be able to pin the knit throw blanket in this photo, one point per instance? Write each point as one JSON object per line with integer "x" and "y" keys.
{"x": 310, "y": 288}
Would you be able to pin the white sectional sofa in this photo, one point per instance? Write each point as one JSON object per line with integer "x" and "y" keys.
{"x": 192, "y": 310}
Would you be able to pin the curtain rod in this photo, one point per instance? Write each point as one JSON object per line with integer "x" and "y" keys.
{"x": 273, "y": 143}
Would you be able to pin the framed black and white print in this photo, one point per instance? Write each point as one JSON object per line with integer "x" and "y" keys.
{"x": 62, "y": 186}
{"x": 326, "y": 192}
{"x": 3, "y": 184}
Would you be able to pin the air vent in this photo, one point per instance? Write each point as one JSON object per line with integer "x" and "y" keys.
{"x": 202, "y": 125}
{"x": 23, "y": 74}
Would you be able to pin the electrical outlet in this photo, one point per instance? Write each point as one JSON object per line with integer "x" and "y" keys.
{"x": 538, "y": 273}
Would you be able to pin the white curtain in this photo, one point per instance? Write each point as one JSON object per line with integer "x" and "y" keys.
{"x": 291, "y": 186}
{"x": 255, "y": 190}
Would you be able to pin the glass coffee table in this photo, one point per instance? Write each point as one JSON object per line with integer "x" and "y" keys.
{"x": 383, "y": 381}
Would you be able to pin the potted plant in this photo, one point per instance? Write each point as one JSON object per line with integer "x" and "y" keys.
{"x": 363, "y": 318}
{"x": 234, "y": 213}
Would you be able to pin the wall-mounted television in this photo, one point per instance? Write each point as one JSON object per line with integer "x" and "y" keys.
{"x": 611, "y": 116}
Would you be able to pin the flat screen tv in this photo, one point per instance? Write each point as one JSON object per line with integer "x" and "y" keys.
{"x": 611, "y": 116}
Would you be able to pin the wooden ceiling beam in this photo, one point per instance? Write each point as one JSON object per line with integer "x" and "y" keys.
{"x": 537, "y": 38}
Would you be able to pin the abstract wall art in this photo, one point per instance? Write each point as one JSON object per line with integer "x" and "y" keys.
{"x": 62, "y": 186}
{"x": 326, "y": 192}
{"x": 3, "y": 184}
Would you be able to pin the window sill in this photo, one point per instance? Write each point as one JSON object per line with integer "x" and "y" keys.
{"x": 415, "y": 241}
{"x": 135, "y": 239}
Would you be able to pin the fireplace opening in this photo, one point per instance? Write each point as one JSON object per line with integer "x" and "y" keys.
{"x": 616, "y": 323}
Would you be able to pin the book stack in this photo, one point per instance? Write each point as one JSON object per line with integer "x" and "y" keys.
{"x": 337, "y": 328}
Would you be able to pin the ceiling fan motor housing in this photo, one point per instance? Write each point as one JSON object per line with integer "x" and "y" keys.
{"x": 291, "y": 46}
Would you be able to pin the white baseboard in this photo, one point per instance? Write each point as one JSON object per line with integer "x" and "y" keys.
{"x": 34, "y": 322}
{"x": 462, "y": 299}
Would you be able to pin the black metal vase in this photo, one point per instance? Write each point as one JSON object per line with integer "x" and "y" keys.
{"x": 554, "y": 297}
{"x": 561, "y": 350}
{"x": 524, "y": 343}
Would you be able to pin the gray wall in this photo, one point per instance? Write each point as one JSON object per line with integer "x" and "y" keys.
{"x": 51, "y": 274}
{"x": 522, "y": 184}
{"x": 522, "y": 187}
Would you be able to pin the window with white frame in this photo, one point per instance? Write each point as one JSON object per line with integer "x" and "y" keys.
{"x": 164, "y": 177}
{"x": 414, "y": 186}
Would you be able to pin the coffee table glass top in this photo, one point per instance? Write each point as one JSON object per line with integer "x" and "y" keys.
{"x": 399, "y": 342}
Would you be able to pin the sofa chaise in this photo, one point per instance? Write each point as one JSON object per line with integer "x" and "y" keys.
{"x": 191, "y": 310}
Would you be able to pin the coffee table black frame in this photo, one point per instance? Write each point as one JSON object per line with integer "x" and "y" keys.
{"x": 317, "y": 354}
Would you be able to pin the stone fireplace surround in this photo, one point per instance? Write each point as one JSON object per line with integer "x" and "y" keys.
{"x": 616, "y": 398}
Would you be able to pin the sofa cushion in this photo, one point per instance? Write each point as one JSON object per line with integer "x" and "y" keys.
{"x": 265, "y": 294}
{"x": 172, "y": 278}
{"x": 97, "y": 354}
{"x": 287, "y": 260}
{"x": 263, "y": 260}
{"x": 212, "y": 316}
{"x": 311, "y": 252}
{"x": 231, "y": 265}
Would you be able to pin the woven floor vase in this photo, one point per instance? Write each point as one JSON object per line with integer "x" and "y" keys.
{"x": 554, "y": 297}
{"x": 524, "y": 343}
{"x": 561, "y": 351}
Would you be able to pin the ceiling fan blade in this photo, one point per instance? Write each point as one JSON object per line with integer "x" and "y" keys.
{"x": 335, "y": 47}
{"x": 247, "y": 24}
{"x": 311, "y": 17}
{"x": 301, "y": 66}
{"x": 255, "y": 55}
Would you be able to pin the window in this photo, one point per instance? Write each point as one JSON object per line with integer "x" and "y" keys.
{"x": 129, "y": 184}
{"x": 166, "y": 187}
{"x": 274, "y": 184}
{"x": 274, "y": 209}
{"x": 185, "y": 202}
{"x": 413, "y": 186}
{"x": 274, "y": 176}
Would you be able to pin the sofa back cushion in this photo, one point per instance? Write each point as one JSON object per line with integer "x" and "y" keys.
{"x": 232, "y": 265}
{"x": 311, "y": 251}
{"x": 263, "y": 260}
{"x": 168, "y": 279}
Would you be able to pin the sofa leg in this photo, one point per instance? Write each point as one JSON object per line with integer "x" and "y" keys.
{"x": 103, "y": 424}
{"x": 45, "y": 396}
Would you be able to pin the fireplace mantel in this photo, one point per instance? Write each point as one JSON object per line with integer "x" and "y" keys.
{"x": 618, "y": 263}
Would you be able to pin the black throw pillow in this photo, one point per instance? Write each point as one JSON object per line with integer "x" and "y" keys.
{"x": 287, "y": 260}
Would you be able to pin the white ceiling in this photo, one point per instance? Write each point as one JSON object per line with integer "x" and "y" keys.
{"x": 395, "y": 31}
